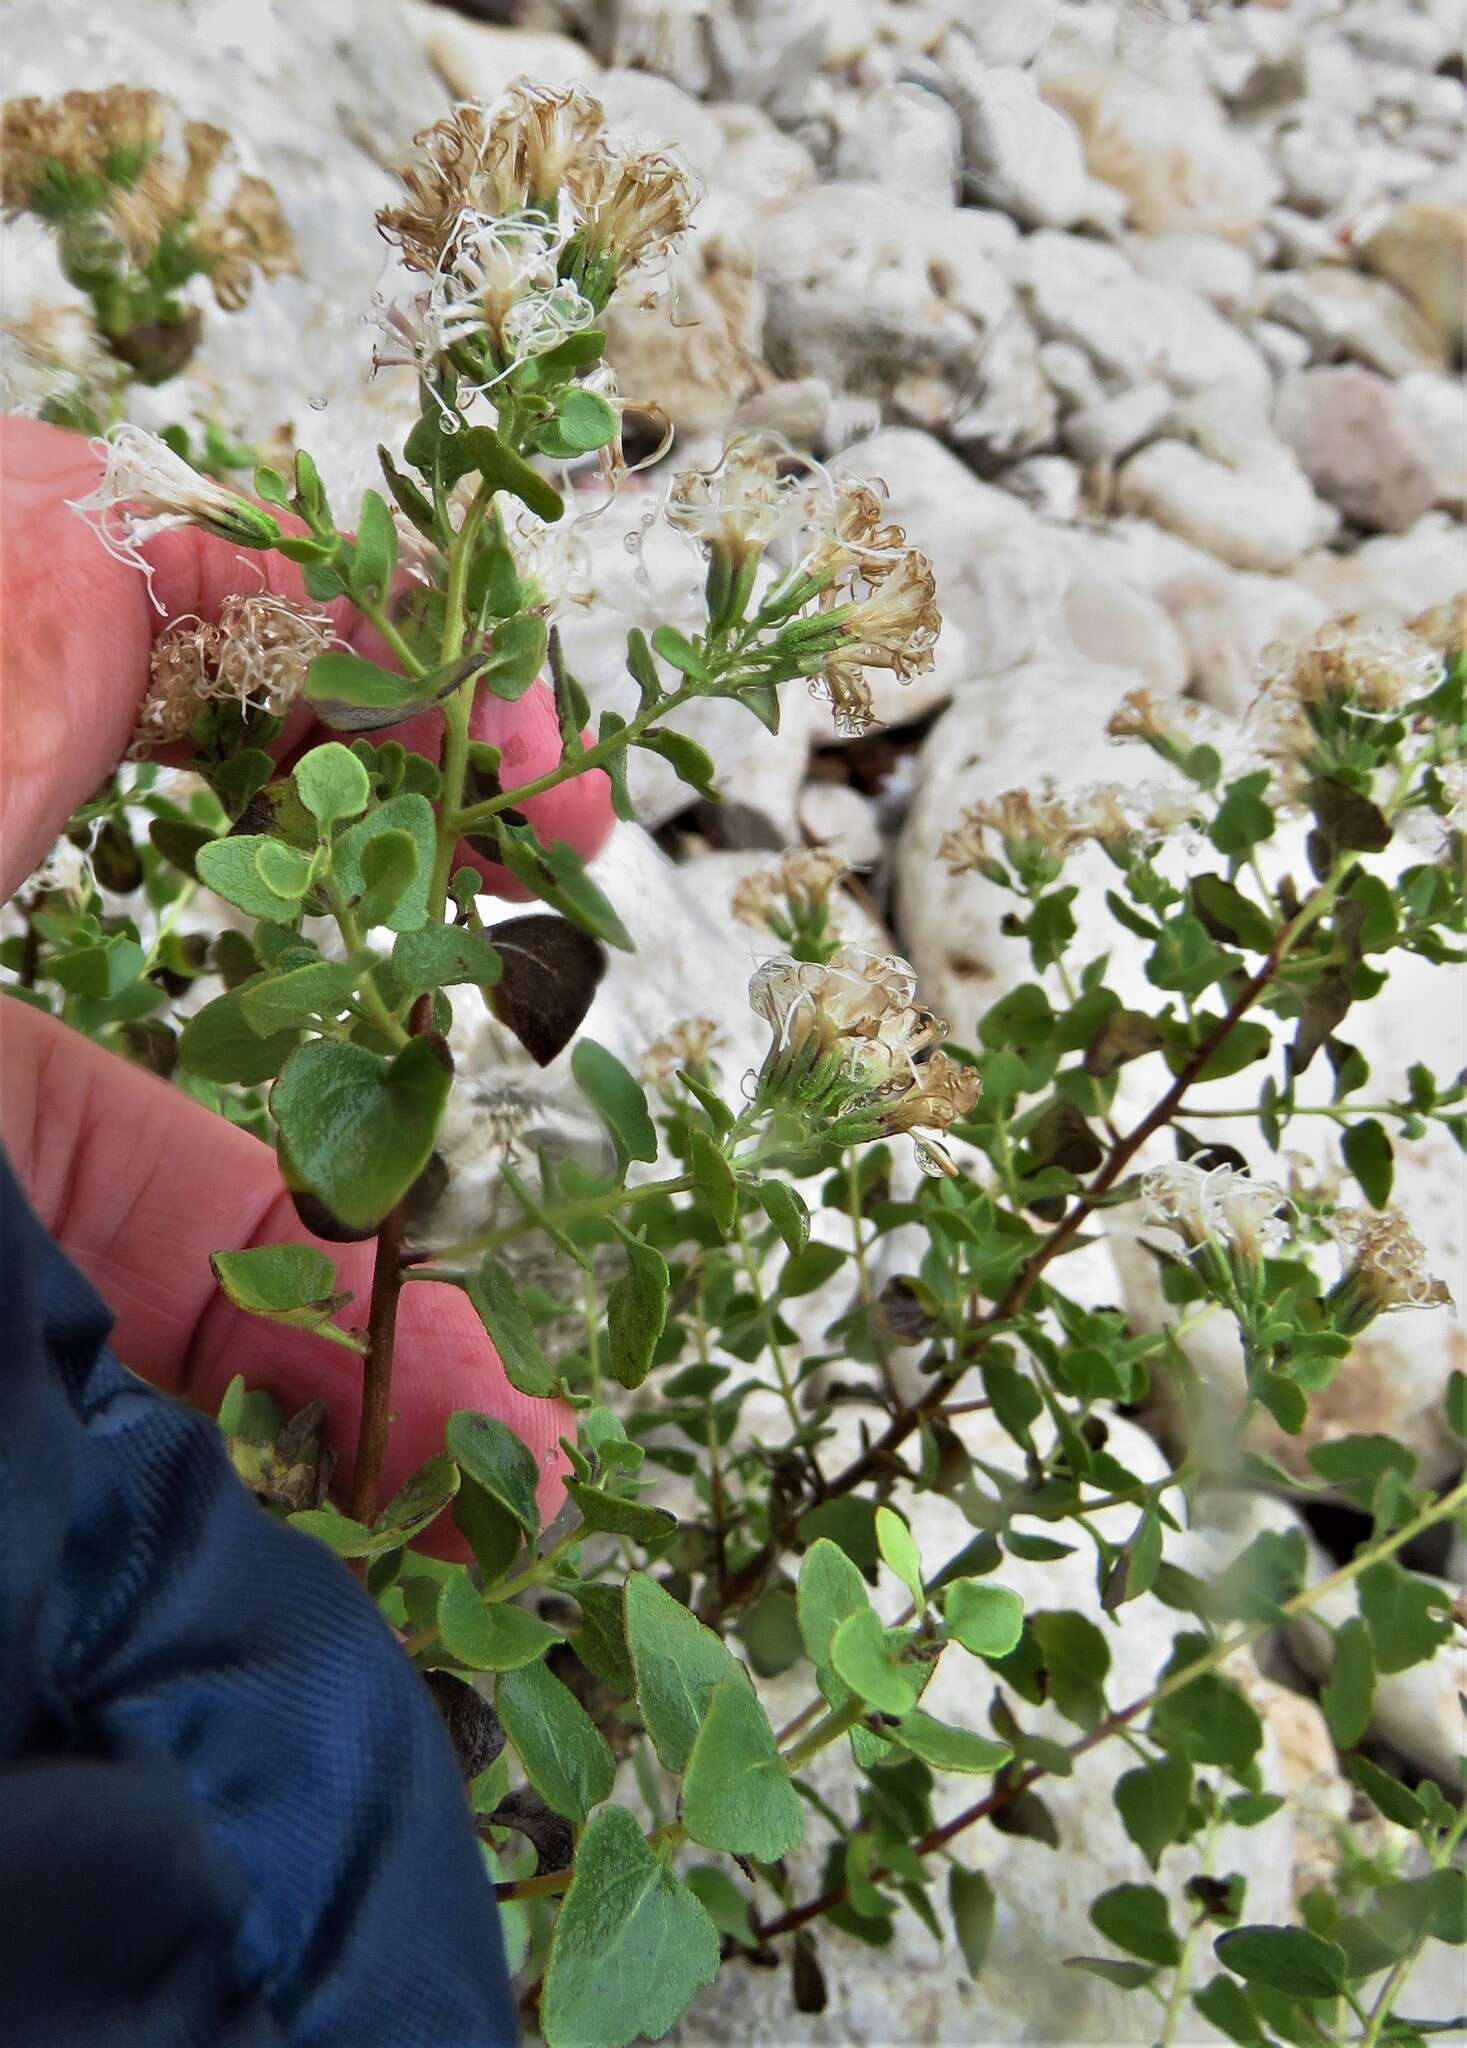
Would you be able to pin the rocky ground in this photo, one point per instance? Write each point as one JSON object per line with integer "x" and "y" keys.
{"x": 1150, "y": 319}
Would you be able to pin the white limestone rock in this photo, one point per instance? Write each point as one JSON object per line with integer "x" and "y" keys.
{"x": 882, "y": 299}
{"x": 906, "y": 137}
{"x": 1357, "y": 443}
{"x": 1232, "y": 488}
{"x": 1009, "y": 32}
{"x": 834, "y": 814}
{"x": 1132, "y": 327}
{"x": 1113, "y": 427}
{"x": 1437, "y": 408}
{"x": 1342, "y": 312}
{"x": 1019, "y": 154}
{"x": 477, "y": 59}
{"x": 1220, "y": 271}
{"x": 1182, "y": 167}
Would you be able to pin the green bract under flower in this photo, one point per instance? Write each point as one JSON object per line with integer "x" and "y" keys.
{"x": 852, "y": 1046}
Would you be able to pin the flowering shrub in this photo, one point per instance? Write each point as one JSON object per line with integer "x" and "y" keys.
{"x": 618, "y": 1735}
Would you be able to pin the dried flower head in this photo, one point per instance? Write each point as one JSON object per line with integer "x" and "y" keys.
{"x": 943, "y": 1093}
{"x": 1374, "y": 668}
{"x": 800, "y": 884}
{"x": 896, "y": 623}
{"x": 739, "y": 506}
{"x": 57, "y": 157}
{"x": 47, "y": 357}
{"x": 635, "y": 208}
{"x": 687, "y": 1045}
{"x": 1217, "y": 1206}
{"x": 1385, "y": 1264}
{"x": 1444, "y": 627}
{"x": 857, "y": 1011}
{"x": 255, "y": 656}
{"x": 146, "y": 490}
{"x": 843, "y": 686}
{"x": 845, "y": 526}
{"x": 501, "y": 281}
{"x": 103, "y": 159}
{"x": 1053, "y": 823}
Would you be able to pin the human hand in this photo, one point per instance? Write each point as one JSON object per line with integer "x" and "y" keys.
{"x": 136, "y": 1182}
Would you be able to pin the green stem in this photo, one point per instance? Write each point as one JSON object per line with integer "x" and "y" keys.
{"x": 479, "y": 815}
{"x": 573, "y": 1212}
{"x": 836, "y": 1723}
{"x": 458, "y": 707}
{"x": 938, "y": 1838}
{"x": 368, "y": 994}
{"x": 382, "y": 625}
{"x": 776, "y": 1352}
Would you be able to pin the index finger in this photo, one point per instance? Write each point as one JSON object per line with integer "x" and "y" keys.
{"x": 77, "y": 629}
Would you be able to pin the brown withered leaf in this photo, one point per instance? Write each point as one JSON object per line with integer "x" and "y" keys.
{"x": 551, "y": 1837}
{"x": 550, "y": 973}
{"x": 1125, "y": 1035}
{"x": 473, "y": 1726}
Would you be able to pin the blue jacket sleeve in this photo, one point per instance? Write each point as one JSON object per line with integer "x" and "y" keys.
{"x": 229, "y": 1812}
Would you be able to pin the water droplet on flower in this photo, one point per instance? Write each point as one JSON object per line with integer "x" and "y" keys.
{"x": 318, "y": 403}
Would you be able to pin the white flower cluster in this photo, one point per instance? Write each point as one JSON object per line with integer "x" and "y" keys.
{"x": 855, "y": 1025}
{"x": 1216, "y": 1205}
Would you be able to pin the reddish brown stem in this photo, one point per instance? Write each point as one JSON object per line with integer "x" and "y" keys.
{"x": 750, "y": 1576}
{"x": 377, "y": 1370}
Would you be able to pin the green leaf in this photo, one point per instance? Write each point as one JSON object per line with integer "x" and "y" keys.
{"x": 617, "y": 1098}
{"x": 973, "y": 1907}
{"x": 814, "y": 1266}
{"x": 1227, "y": 2006}
{"x": 353, "y": 695}
{"x": 358, "y": 1129}
{"x": 679, "y": 653}
{"x": 374, "y": 555}
{"x": 443, "y": 956}
{"x": 1347, "y": 1697}
{"x": 1153, "y": 1802}
{"x": 1077, "y": 1657}
{"x": 614, "y": 1514}
{"x": 1136, "y": 1918}
{"x": 1456, "y": 1405}
{"x": 492, "y": 1455}
{"x": 102, "y": 971}
{"x": 1369, "y": 1157}
{"x": 678, "y": 1662}
{"x": 685, "y": 757}
{"x": 947, "y": 1748}
{"x": 285, "y": 1002}
{"x": 284, "y": 869}
{"x": 1409, "y": 1618}
{"x": 898, "y": 1547}
{"x": 636, "y": 1311}
{"x": 1125, "y": 1976}
{"x": 986, "y": 1620}
{"x": 332, "y": 783}
{"x": 736, "y": 1792}
{"x": 389, "y": 868}
{"x": 723, "y": 1902}
{"x": 1227, "y": 914}
{"x": 714, "y": 1179}
{"x": 557, "y": 875}
{"x": 1210, "y": 1722}
{"x": 830, "y": 1590}
{"x": 218, "y": 1044}
{"x": 868, "y": 1657}
{"x": 1243, "y": 818}
{"x": 496, "y": 1637}
{"x": 287, "y": 1283}
{"x": 787, "y": 1212}
{"x": 499, "y": 1308}
{"x": 490, "y": 1530}
{"x": 631, "y": 1948}
{"x": 1287, "y": 1959}
{"x": 228, "y": 867}
{"x": 565, "y": 1755}
{"x": 518, "y": 656}
{"x": 420, "y": 1500}
{"x": 1395, "y": 1801}
{"x": 408, "y": 813}
{"x": 581, "y": 422}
